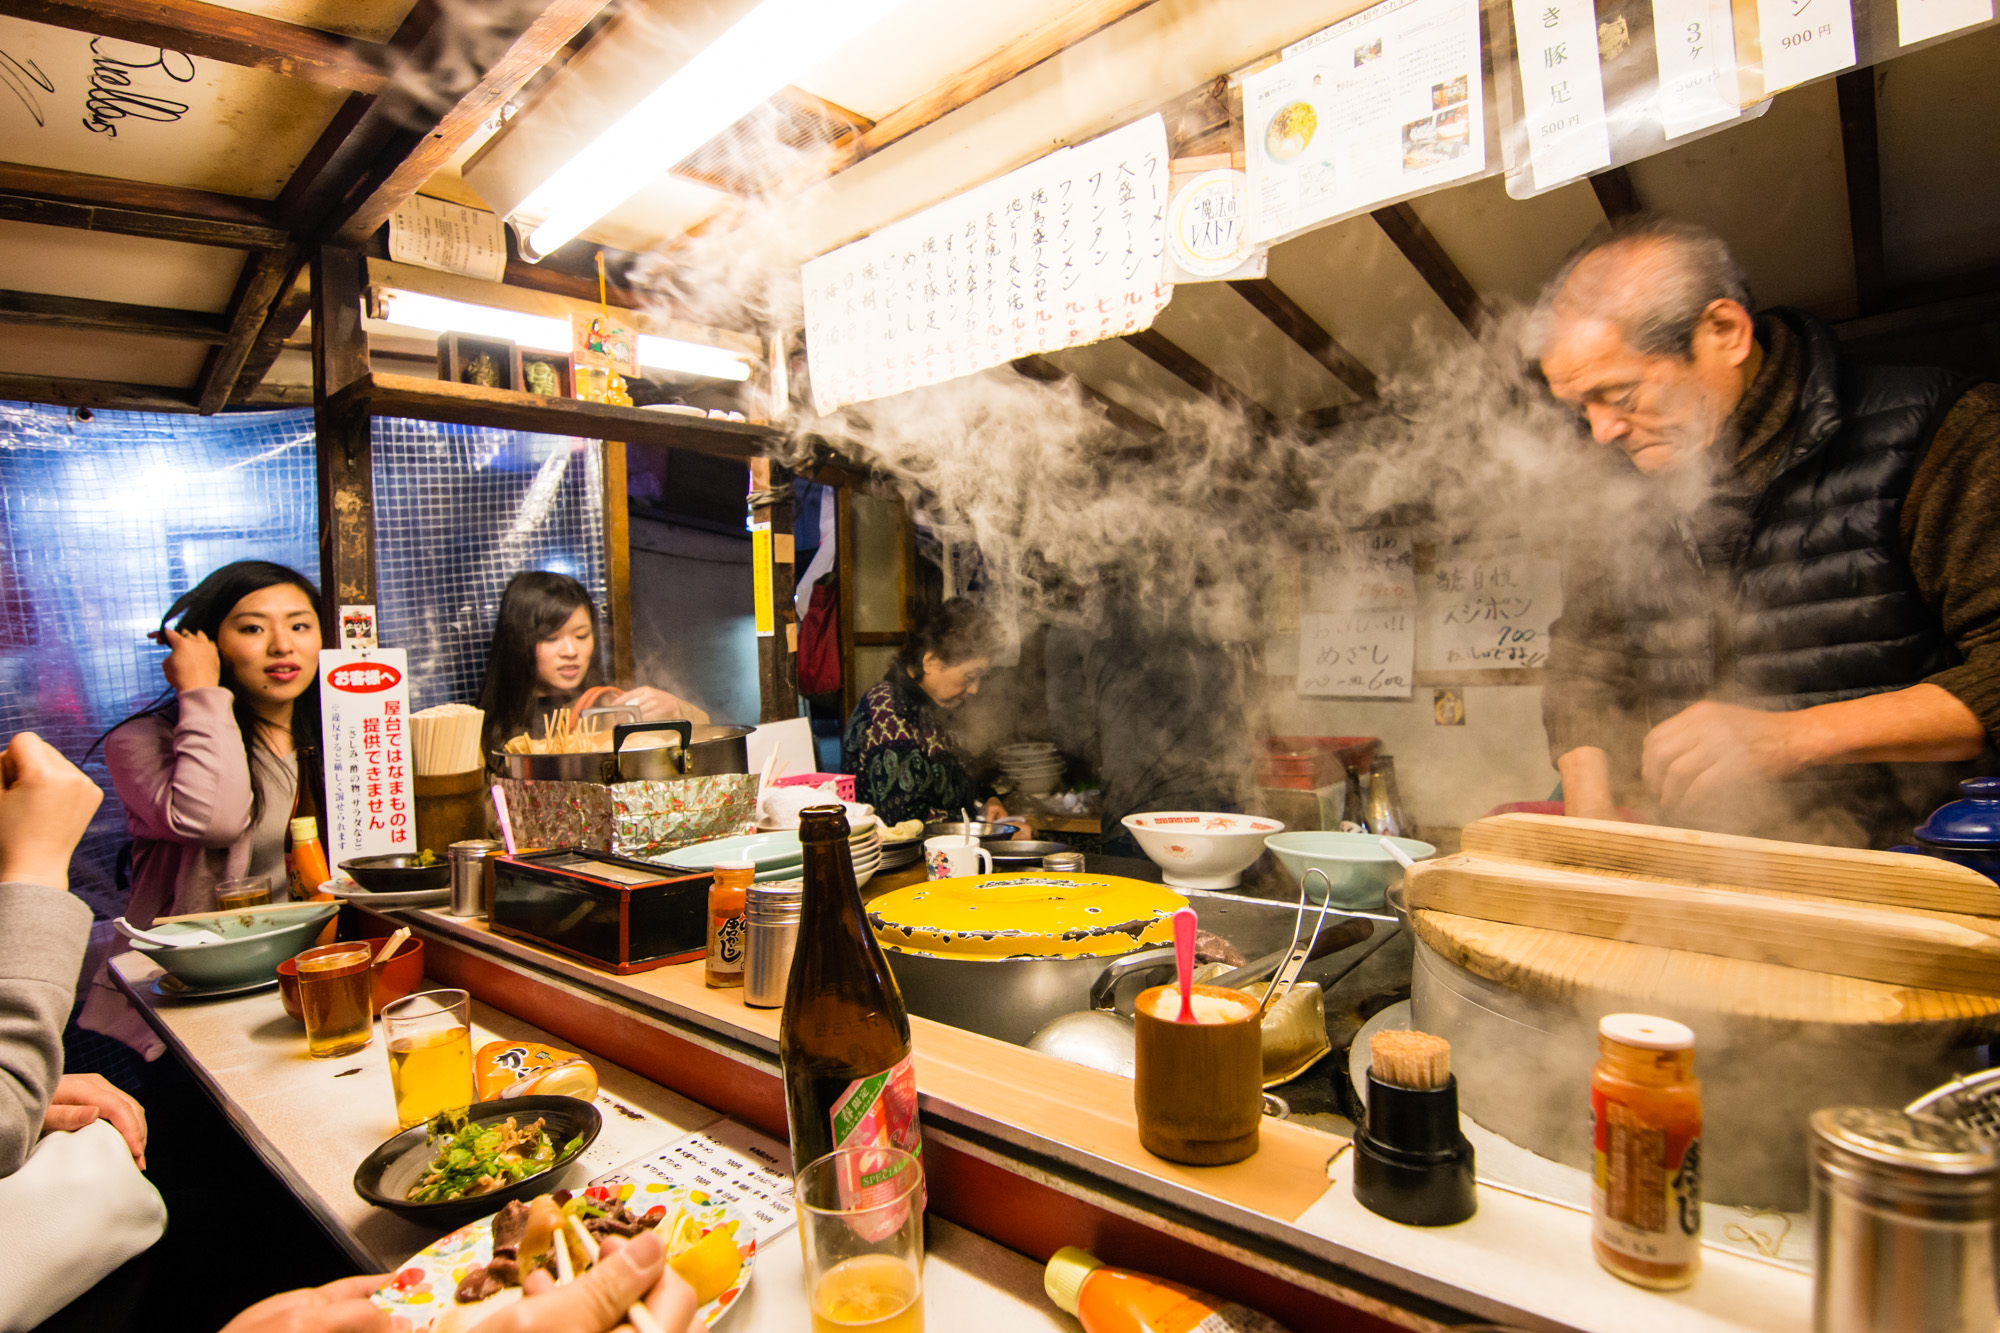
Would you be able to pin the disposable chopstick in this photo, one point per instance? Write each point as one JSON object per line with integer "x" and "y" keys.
{"x": 233, "y": 911}
{"x": 393, "y": 943}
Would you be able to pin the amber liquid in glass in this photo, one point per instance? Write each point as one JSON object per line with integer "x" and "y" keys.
{"x": 431, "y": 1072}
{"x": 335, "y": 998}
{"x": 877, "y": 1292}
{"x": 843, "y": 1019}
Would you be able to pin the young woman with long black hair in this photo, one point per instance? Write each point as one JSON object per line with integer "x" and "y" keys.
{"x": 544, "y": 657}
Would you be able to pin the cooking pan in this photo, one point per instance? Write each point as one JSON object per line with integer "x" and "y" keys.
{"x": 697, "y": 752}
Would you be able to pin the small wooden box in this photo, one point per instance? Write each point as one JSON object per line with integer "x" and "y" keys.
{"x": 457, "y": 351}
{"x": 614, "y": 912}
{"x": 558, "y": 365}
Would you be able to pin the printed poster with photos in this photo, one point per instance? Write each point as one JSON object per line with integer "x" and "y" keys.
{"x": 1067, "y": 250}
{"x": 1384, "y": 104}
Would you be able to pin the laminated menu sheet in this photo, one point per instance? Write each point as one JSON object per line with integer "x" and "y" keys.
{"x": 728, "y": 1161}
{"x": 1357, "y": 633}
{"x": 1067, "y": 250}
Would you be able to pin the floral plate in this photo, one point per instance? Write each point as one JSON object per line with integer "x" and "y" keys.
{"x": 422, "y": 1289}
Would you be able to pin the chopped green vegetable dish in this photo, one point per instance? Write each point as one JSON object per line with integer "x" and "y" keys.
{"x": 478, "y": 1159}
{"x": 425, "y": 858}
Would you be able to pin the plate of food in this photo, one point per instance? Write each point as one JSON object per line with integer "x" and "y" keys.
{"x": 1290, "y": 130}
{"x": 469, "y": 1162}
{"x": 477, "y": 1270}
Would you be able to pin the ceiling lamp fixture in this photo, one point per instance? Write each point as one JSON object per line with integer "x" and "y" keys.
{"x": 545, "y": 333}
{"x": 767, "y": 48}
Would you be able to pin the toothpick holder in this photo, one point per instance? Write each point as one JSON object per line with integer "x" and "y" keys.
{"x": 1412, "y": 1163}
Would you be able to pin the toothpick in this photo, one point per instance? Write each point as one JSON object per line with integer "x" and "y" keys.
{"x": 583, "y": 1236}
{"x": 565, "y": 1268}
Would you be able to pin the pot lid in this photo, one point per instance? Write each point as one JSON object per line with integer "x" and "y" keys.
{"x": 1027, "y": 915}
{"x": 1971, "y": 821}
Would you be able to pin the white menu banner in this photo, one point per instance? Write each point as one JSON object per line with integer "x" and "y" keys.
{"x": 1357, "y": 633}
{"x": 1562, "y": 89}
{"x": 1065, "y": 251}
{"x": 1387, "y": 102}
{"x": 364, "y": 706}
{"x": 432, "y": 233}
{"x": 1695, "y": 41}
{"x": 1488, "y": 606}
{"x": 1921, "y": 20}
{"x": 1804, "y": 40}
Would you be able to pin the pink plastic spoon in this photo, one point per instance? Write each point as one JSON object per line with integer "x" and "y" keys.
{"x": 1184, "y": 928}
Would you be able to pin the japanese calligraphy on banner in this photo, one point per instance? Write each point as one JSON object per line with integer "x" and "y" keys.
{"x": 1383, "y": 104}
{"x": 1488, "y": 606}
{"x": 1695, "y": 42}
{"x": 1357, "y": 632}
{"x": 1803, "y": 40}
{"x": 1065, "y": 251}
{"x": 1562, "y": 88}
{"x": 364, "y": 705}
{"x": 1921, "y": 20}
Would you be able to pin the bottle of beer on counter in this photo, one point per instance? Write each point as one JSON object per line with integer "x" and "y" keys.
{"x": 844, "y": 1039}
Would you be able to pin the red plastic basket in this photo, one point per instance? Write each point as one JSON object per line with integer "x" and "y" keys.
{"x": 1303, "y": 763}
{"x": 843, "y": 783}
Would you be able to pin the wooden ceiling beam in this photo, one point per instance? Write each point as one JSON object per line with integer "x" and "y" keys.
{"x": 39, "y": 310}
{"x": 266, "y": 275}
{"x": 63, "y": 392}
{"x": 213, "y": 32}
{"x": 1176, "y": 360}
{"x": 1615, "y": 194}
{"x": 1409, "y": 234}
{"x": 1860, "y": 150}
{"x": 1271, "y": 301}
{"x": 287, "y": 313}
{"x": 54, "y": 198}
{"x": 1045, "y": 371}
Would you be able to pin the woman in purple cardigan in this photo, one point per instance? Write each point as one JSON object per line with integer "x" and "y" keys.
{"x": 209, "y": 774}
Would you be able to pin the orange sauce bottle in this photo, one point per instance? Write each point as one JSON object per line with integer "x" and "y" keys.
{"x": 1112, "y": 1300}
{"x": 306, "y": 869}
{"x": 726, "y": 897}
{"x": 1645, "y": 1107}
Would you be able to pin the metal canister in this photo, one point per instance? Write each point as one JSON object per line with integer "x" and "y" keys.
{"x": 1070, "y": 862}
{"x": 771, "y": 933}
{"x": 1903, "y": 1224}
{"x": 472, "y": 876}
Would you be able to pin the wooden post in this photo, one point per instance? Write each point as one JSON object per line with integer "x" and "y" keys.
{"x": 341, "y": 441}
{"x": 777, "y": 654}
{"x": 618, "y": 562}
{"x": 842, "y": 499}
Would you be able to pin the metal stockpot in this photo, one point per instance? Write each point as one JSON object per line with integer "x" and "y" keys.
{"x": 699, "y": 752}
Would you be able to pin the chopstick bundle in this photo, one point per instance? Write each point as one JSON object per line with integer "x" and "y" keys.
{"x": 445, "y": 739}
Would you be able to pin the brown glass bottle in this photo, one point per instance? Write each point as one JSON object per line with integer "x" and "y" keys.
{"x": 844, "y": 1039}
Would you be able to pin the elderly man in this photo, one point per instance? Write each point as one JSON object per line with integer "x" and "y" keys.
{"x": 1785, "y": 617}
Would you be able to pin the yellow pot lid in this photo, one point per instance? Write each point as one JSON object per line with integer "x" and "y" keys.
{"x": 1035, "y": 914}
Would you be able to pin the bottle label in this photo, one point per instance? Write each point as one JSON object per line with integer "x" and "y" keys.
{"x": 1645, "y": 1186}
{"x": 1238, "y": 1319}
{"x": 879, "y": 1111}
{"x": 726, "y": 954}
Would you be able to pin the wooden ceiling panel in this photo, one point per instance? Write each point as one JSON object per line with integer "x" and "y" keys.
{"x": 1506, "y": 246}
{"x": 368, "y": 20}
{"x": 1127, "y": 378}
{"x": 1218, "y": 328}
{"x": 119, "y": 357}
{"x": 107, "y": 267}
{"x": 1938, "y": 124}
{"x": 137, "y": 113}
{"x": 663, "y": 209}
{"x": 1357, "y": 285}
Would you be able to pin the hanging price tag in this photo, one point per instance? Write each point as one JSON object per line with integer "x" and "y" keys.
{"x": 1562, "y": 89}
{"x": 1804, "y": 40}
{"x": 1695, "y": 41}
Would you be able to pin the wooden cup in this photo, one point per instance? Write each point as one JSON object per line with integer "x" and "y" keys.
{"x": 1198, "y": 1088}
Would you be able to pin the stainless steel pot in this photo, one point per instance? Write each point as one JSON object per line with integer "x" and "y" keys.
{"x": 694, "y": 752}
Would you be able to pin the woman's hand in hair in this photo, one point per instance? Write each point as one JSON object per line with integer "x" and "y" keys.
{"x": 194, "y": 663}
{"x": 659, "y": 706}
{"x": 45, "y": 805}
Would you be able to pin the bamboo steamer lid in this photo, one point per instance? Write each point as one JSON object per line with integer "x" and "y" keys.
{"x": 1027, "y": 915}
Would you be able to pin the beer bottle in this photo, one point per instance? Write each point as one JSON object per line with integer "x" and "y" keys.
{"x": 844, "y": 1039}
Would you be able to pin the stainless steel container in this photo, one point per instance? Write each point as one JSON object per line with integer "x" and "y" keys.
{"x": 693, "y": 752}
{"x": 1070, "y": 861}
{"x": 472, "y": 876}
{"x": 771, "y": 933}
{"x": 1903, "y": 1224}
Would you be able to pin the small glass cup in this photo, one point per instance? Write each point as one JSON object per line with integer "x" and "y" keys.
{"x": 429, "y": 1036}
{"x": 244, "y": 892}
{"x": 861, "y": 1224}
{"x": 336, "y": 998}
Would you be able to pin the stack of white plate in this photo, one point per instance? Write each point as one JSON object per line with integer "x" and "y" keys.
{"x": 1032, "y": 767}
{"x": 778, "y": 855}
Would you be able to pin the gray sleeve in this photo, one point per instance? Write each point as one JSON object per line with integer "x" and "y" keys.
{"x": 43, "y": 933}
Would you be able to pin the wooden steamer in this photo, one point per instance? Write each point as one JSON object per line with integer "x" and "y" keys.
{"x": 1812, "y": 977}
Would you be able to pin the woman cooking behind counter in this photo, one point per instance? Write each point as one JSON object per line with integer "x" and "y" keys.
{"x": 904, "y": 762}
{"x": 544, "y": 657}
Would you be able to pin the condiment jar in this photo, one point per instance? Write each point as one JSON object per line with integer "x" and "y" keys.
{"x": 1068, "y": 862}
{"x": 725, "y": 923}
{"x": 1903, "y": 1224}
{"x": 472, "y": 876}
{"x": 1645, "y": 1109}
{"x": 771, "y": 920}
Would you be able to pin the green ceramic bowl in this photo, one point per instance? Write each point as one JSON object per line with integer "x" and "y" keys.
{"x": 253, "y": 944}
{"x": 1359, "y": 866}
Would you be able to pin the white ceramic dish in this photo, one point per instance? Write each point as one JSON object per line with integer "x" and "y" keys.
{"x": 1198, "y": 849}
{"x": 348, "y": 890}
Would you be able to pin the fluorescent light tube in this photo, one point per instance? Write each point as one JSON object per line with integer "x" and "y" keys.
{"x": 766, "y": 49}
{"x": 545, "y": 333}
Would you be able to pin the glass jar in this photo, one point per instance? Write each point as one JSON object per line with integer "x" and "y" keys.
{"x": 725, "y": 923}
{"x": 1645, "y": 1196}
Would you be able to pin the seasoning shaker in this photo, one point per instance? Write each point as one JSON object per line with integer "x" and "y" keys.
{"x": 1904, "y": 1209}
{"x": 1068, "y": 862}
{"x": 726, "y": 897}
{"x": 771, "y": 925}
{"x": 472, "y": 876}
{"x": 1384, "y": 804}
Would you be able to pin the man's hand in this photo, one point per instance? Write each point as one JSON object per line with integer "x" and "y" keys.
{"x": 1708, "y": 750}
{"x": 45, "y": 805}
{"x": 194, "y": 662}
{"x": 81, "y": 1099}
{"x": 597, "y": 1301}
{"x": 338, "y": 1307}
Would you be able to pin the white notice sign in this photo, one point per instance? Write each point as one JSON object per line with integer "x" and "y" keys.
{"x": 1803, "y": 40}
{"x": 1357, "y": 635}
{"x": 1695, "y": 41}
{"x": 432, "y": 233}
{"x": 1921, "y": 20}
{"x": 364, "y": 705}
{"x": 1562, "y": 89}
{"x": 1488, "y": 606}
{"x": 1386, "y": 103}
{"x": 1065, "y": 251}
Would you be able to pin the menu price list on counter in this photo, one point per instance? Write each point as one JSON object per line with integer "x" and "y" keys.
{"x": 728, "y": 1161}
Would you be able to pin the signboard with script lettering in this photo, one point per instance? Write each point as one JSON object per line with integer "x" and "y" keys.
{"x": 364, "y": 707}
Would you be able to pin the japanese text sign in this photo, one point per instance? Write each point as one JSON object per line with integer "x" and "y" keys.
{"x": 1358, "y": 631}
{"x": 364, "y": 705}
{"x": 1562, "y": 89}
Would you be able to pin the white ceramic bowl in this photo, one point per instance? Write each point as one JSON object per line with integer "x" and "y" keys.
{"x": 1197, "y": 849}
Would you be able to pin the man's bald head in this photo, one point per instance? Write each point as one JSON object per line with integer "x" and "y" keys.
{"x": 1653, "y": 277}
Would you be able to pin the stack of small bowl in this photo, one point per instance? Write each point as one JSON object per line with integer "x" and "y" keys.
{"x": 1032, "y": 767}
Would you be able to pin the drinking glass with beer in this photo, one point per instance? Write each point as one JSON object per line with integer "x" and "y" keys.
{"x": 243, "y": 892}
{"x": 430, "y": 1053}
{"x": 335, "y": 998}
{"x": 861, "y": 1223}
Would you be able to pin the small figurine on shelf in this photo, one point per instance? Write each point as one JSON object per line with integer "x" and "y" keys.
{"x": 542, "y": 378}
{"x": 483, "y": 370}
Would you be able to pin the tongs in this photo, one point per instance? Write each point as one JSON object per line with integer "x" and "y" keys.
{"x": 1295, "y": 958}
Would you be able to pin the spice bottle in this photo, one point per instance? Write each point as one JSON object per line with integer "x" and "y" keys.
{"x": 305, "y": 863}
{"x": 1645, "y": 1195}
{"x": 725, "y": 923}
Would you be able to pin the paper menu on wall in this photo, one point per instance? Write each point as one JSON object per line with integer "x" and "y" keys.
{"x": 728, "y": 1161}
{"x": 1488, "y": 606}
{"x": 1383, "y": 104}
{"x": 1921, "y": 20}
{"x": 1804, "y": 40}
{"x": 432, "y": 233}
{"x": 1065, "y": 251}
{"x": 1357, "y": 632}
{"x": 1694, "y": 42}
{"x": 1562, "y": 89}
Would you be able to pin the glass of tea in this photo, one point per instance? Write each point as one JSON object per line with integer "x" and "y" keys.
{"x": 430, "y": 1053}
{"x": 243, "y": 892}
{"x": 335, "y": 997}
{"x": 861, "y": 1223}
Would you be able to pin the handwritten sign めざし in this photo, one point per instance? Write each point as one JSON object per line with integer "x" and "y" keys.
{"x": 1357, "y": 635}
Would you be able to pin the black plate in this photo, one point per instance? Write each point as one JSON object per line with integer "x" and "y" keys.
{"x": 1021, "y": 855}
{"x": 385, "y": 1175}
{"x": 398, "y": 873}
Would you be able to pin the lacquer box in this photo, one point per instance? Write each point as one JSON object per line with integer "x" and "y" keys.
{"x": 615, "y": 912}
